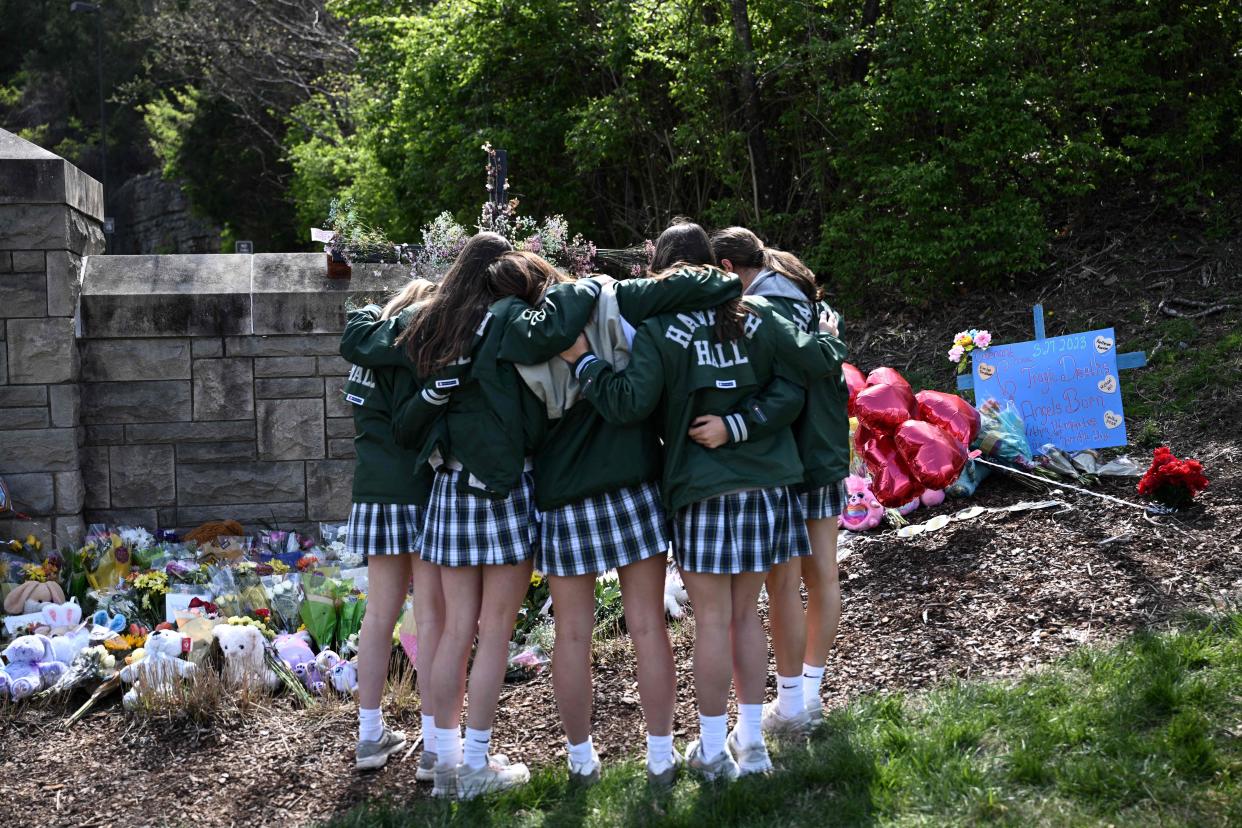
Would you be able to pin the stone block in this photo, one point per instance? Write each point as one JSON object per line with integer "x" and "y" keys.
{"x": 248, "y": 514}
{"x": 341, "y": 449}
{"x": 328, "y": 489}
{"x": 290, "y": 429}
{"x": 25, "y": 294}
{"x": 135, "y": 402}
{"x": 4, "y": 361}
{"x": 6, "y": 261}
{"x": 30, "y": 450}
{"x": 190, "y": 432}
{"x": 17, "y": 397}
{"x": 105, "y": 435}
{"x": 208, "y": 347}
{"x": 24, "y": 418}
{"x": 223, "y": 389}
{"x": 29, "y": 261}
{"x": 333, "y": 366}
{"x": 142, "y": 475}
{"x": 135, "y": 359}
{"x": 284, "y": 367}
{"x": 64, "y": 282}
{"x": 30, "y": 174}
{"x": 341, "y": 427}
{"x": 293, "y": 294}
{"x": 22, "y": 528}
{"x": 334, "y": 400}
{"x": 70, "y": 492}
{"x": 48, "y": 227}
{"x": 278, "y": 346}
{"x": 211, "y": 484}
{"x": 216, "y": 452}
{"x": 42, "y": 350}
{"x": 33, "y": 493}
{"x": 146, "y": 518}
{"x": 167, "y": 517}
{"x": 288, "y": 387}
{"x": 174, "y": 295}
{"x": 66, "y": 405}
{"x": 96, "y": 477}
{"x": 70, "y": 530}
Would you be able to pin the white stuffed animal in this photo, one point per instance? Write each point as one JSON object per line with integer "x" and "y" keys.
{"x": 675, "y": 595}
{"x": 341, "y": 673}
{"x": 69, "y": 635}
{"x": 245, "y": 664}
{"x": 160, "y": 669}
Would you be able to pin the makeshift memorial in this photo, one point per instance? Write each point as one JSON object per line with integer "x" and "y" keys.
{"x": 342, "y": 674}
{"x": 33, "y": 594}
{"x": 243, "y": 648}
{"x": 160, "y": 670}
{"x": 1172, "y": 482}
{"x": 862, "y": 511}
{"x": 295, "y": 651}
{"x": 31, "y": 666}
{"x": 89, "y": 665}
{"x": 964, "y": 343}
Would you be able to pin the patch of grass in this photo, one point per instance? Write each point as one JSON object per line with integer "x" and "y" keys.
{"x": 1187, "y": 370}
{"x": 1140, "y": 734}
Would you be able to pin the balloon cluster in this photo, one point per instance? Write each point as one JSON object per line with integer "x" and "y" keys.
{"x": 911, "y": 443}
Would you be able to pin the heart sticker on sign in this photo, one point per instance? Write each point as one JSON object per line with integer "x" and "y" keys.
{"x": 986, "y": 371}
{"x": 1108, "y": 385}
{"x": 1103, "y": 344}
{"x": 1112, "y": 419}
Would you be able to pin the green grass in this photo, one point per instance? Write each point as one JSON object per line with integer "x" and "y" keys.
{"x": 1191, "y": 364}
{"x": 1145, "y": 733}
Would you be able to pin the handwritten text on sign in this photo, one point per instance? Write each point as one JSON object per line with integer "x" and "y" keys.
{"x": 1065, "y": 388}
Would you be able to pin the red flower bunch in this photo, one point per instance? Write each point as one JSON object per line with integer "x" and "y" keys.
{"x": 1171, "y": 481}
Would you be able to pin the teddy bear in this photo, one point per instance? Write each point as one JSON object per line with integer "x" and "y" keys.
{"x": 341, "y": 673}
{"x": 159, "y": 670}
{"x": 295, "y": 651}
{"x": 862, "y": 511}
{"x": 29, "y": 597}
{"x": 31, "y": 666}
{"x": 245, "y": 661}
{"x": 69, "y": 635}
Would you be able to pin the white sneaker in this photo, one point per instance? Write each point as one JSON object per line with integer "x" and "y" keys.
{"x": 586, "y": 774}
{"x": 779, "y": 726}
{"x": 664, "y": 775}
{"x": 444, "y": 781}
{"x": 721, "y": 766}
{"x": 374, "y": 755}
{"x": 426, "y": 767}
{"x": 472, "y": 782}
{"x": 814, "y": 717}
{"x": 750, "y": 758}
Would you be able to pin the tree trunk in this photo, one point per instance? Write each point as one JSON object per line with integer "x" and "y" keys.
{"x": 862, "y": 60}
{"x": 765, "y": 185}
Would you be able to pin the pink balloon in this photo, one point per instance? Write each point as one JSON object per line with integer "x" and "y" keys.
{"x": 950, "y": 412}
{"x": 854, "y": 379}
{"x": 892, "y": 482}
{"x": 934, "y": 457}
{"x": 888, "y": 376}
{"x": 883, "y": 407}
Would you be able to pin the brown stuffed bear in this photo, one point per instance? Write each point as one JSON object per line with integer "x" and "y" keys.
{"x": 32, "y": 595}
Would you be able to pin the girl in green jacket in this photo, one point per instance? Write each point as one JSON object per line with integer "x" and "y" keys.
{"x": 386, "y": 527}
{"x": 801, "y": 642}
{"x": 735, "y": 515}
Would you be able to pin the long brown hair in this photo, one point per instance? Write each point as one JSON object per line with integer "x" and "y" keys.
{"x": 443, "y": 332}
{"x": 416, "y": 291}
{"x": 742, "y": 247}
{"x": 523, "y": 274}
{"x": 685, "y": 243}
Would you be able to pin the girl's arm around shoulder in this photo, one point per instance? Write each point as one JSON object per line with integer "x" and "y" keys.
{"x": 537, "y": 334}
{"x": 370, "y": 341}
{"x": 628, "y": 396}
{"x": 688, "y": 289}
{"x": 774, "y": 407}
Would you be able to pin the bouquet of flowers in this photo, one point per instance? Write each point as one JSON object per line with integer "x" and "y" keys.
{"x": 1171, "y": 481}
{"x": 285, "y": 598}
{"x": 320, "y": 611}
{"x": 966, "y": 341}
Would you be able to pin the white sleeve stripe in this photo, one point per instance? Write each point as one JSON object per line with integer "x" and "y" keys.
{"x": 434, "y": 398}
{"x": 739, "y": 423}
{"x": 583, "y": 363}
{"x": 733, "y": 435}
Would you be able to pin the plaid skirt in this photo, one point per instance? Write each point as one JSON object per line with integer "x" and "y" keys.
{"x": 747, "y": 531}
{"x": 824, "y": 501}
{"x": 384, "y": 529}
{"x": 603, "y": 532}
{"x": 466, "y": 529}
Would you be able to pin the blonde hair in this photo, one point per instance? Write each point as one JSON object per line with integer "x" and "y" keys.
{"x": 413, "y": 293}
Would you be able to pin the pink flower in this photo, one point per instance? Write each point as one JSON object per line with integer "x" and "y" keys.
{"x": 983, "y": 339}
{"x": 955, "y": 353}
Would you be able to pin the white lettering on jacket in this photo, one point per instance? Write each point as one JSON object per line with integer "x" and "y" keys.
{"x": 362, "y": 376}
{"x": 719, "y": 354}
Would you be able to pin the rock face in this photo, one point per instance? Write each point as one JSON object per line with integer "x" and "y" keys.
{"x": 153, "y": 216}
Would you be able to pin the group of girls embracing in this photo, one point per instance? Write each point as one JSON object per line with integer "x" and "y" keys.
{"x": 509, "y": 417}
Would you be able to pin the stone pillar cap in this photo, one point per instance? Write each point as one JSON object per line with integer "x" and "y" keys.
{"x": 30, "y": 174}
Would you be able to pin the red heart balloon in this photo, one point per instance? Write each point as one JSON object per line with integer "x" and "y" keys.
{"x": 862, "y": 435}
{"x": 883, "y": 407}
{"x": 935, "y": 458}
{"x": 950, "y": 412}
{"x": 888, "y": 376}
{"x": 891, "y": 480}
{"x": 854, "y": 379}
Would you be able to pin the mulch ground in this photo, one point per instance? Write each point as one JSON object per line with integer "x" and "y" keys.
{"x": 986, "y": 598}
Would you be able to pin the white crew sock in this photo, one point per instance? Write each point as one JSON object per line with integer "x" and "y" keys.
{"x": 789, "y": 701}
{"x": 580, "y": 754}
{"x": 713, "y": 730}
{"x": 477, "y": 743}
{"x": 659, "y": 751}
{"x": 370, "y": 724}
{"x": 811, "y": 679}
{"x": 448, "y": 746}
{"x": 429, "y": 734}
{"x": 750, "y": 724}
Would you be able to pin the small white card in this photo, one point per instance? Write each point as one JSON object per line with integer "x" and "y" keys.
{"x": 12, "y": 622}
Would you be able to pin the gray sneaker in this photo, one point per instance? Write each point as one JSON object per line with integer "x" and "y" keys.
{"x": 426, "y": 767}
{"x": 750, "y": 758}
{"x": 472, "y": 782}
{"x": 374, "y": 755}
{"x": 664, "y": 777}
{"x": 444, "y": 781}
{"x": 721, "y": 766}
{"x": 585, "y": 775}
{"x": 814, "y": 717}
{"x": 784, "y": 727}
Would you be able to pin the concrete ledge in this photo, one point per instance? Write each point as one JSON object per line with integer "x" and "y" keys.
{"x": 293, "y": 294}
{"x": 31, "y": 175}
